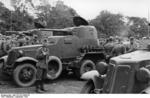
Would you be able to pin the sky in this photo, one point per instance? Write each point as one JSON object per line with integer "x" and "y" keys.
{"x": 89, "y": 9}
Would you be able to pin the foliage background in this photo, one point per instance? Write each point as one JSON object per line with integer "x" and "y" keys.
{"x": 60, "y": 16}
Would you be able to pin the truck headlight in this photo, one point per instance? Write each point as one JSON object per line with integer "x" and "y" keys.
{"x": 143, "y": 74}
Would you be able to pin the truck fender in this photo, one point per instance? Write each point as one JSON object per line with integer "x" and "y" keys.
{"x": 22, "y": 59}
{"x": 3, "y": 61}
{"x": 4, "y": 58}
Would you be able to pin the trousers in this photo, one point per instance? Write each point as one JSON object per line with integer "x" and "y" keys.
{"x": 41, "y": 74}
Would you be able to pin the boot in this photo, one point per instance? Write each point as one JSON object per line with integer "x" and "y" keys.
{"x": 42, "y": 87}
{"x": 38, "y": 90}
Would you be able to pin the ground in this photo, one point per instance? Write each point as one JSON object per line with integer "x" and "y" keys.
{"x": 64, "y": 84}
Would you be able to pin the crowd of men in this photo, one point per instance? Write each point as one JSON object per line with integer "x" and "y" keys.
{"x": 116, "y": 46}
{"x": 113, "y": 46}
{"x": 14, "y": 40}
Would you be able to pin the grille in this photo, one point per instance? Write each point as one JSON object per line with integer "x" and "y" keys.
{"x": 109, "y": 77}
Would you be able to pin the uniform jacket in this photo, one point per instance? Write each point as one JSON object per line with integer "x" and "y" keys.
{"x": 118, "y": 50}
{"x": 42, "y": 58}
{"x": 108, "y": 47}
{"x": 133, "y": 47}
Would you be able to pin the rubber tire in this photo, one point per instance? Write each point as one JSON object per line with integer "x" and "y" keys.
{"x": 16, "y": 75}
{"x": 88, "y": 87}
{"x": 79, "y": 71}
{"x": 60, "y": 68}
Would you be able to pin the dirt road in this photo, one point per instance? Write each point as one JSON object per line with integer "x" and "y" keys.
{"x": 65, "y": 84}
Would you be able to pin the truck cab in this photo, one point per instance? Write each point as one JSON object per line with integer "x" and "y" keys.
{"x": 127, "y": 73}
{"x": 124, "y": 73}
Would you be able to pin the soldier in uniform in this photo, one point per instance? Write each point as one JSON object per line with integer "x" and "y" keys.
{"x": 35, "y": 40}
{"x": 118, "y": 49}
{"x": 108, "y": 48}
{"x": 133, "y": 45}
{"x": 41, "y": 56}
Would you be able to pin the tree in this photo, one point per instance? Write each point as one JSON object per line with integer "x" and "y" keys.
{"x": 4, "y": 17}
{"x": 138, "y": 26}
{"x": 21, "y": 21}
{"x": 16, "y": 20}
{"x": 59, "y": 16}
{"x": 108, "y": 23}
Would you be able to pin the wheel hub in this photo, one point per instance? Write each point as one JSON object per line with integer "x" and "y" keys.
{"x": 26, "y": 74}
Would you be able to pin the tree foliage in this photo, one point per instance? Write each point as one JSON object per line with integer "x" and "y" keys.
{"x": 14, "y": 20}
{"x": 138, "y": 26}
{"x": 59, "y": 16}
{"x": 108, "y": 23}
{"x": 114, "y": 25}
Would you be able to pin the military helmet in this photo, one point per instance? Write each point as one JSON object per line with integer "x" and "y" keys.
{"x": 101, "y": 67}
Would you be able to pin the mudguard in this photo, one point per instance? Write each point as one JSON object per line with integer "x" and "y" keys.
{"x": 4, "y": 58}
{"x": 26, "y": 58}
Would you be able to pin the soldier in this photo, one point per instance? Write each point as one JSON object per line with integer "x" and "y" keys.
{"x": 27, "y": 41}
{"x": 133, "y": 45}
{"x": 35, "y": 40}
{"x": 41, "y": 56}
{"x": 118, "y": 49}
{"x": 108, "y": 48}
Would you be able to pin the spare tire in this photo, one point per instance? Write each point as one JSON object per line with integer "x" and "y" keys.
{"x": 86, "y": 65}
{"x": 54, "y": 68}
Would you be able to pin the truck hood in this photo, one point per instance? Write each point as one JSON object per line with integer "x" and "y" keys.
{"x": 136, "y": 56}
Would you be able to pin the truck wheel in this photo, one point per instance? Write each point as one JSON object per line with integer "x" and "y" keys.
{"x": 88, "y": 88}
{"x": 86, "y": 65}
{"x": 25, "y": 75}
{"x": 54, "y": 68}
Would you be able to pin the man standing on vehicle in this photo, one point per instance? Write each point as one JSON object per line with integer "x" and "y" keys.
{"x": 41, "y": 56}
{"x": 133, "y": 45}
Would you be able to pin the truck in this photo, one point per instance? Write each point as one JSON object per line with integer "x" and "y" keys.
{"x": 73, "y": 49}
{"x": 127, "y": 73}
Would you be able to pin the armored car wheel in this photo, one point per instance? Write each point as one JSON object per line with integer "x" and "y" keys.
{"x": 86, "y": 65}
{"x": 54, "y": 68}
{"x": 25, "y": 75}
